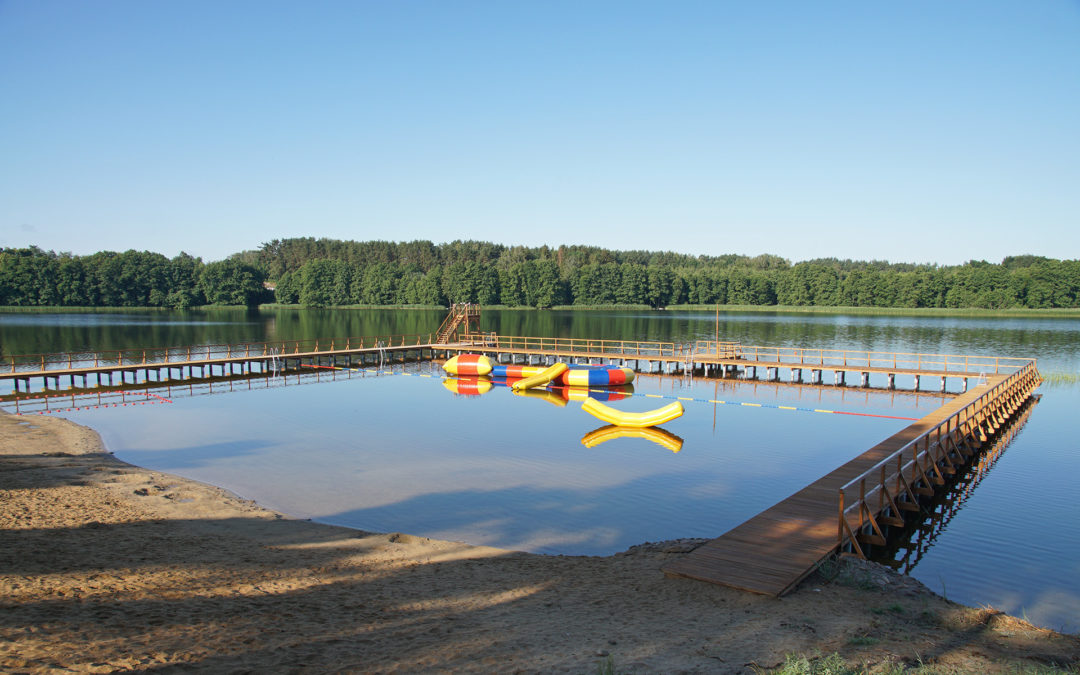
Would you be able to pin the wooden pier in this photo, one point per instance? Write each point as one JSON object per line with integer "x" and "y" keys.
{"x": 207, "y": 361}
{"x": 853, "y": 505}
{"x": 844, "y": 510}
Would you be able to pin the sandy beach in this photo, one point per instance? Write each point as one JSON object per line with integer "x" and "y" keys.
{"x": 108, "y": 567}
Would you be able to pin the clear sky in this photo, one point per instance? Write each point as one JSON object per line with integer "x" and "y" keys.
{"x": 905, "y": 131}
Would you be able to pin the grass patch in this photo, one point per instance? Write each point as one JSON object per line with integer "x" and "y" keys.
{"x": 1064, "y": 313}
{"x": 1053, "y": 378}
{"x": 606, "y": 667}
{"x": 277, "y": 305}
{"x": 834, "y": 664}
{"x": 603, "y": 307}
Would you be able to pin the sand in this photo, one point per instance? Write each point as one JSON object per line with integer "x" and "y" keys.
{"x": 108, "y": 567}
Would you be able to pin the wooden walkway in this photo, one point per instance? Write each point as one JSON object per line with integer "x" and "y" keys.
{"x": 220, "y": 359}
{"x": 773, "y": 551}
{"x": 712, "y": 358}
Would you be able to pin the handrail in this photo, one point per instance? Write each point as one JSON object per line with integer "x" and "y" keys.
{"x": 854, "y": 358}
{"x": 726, "y": 349}
{"x": 134, "y": 356}
{"x": 929, "y": 454}
{"x": 624, "y": 348}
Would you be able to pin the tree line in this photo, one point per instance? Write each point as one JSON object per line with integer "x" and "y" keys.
{"x": 327, "y": 272}
{"x": 32, "y": 277}
{"x": 323, "y": 272}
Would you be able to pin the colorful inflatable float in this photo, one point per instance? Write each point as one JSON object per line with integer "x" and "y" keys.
{"x": 629, "y": 419}
{"x": 573, "y": 376}
{"x": 468, "y": 364}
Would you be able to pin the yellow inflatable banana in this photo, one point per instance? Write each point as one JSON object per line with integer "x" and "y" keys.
{"x": 629, "y": 419}
{"x": 545, "y": 376}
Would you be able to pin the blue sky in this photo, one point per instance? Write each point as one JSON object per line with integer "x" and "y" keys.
{"x": 911, "y": 132}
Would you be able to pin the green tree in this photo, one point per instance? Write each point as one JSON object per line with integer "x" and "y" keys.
{"x": 230, "y": 282}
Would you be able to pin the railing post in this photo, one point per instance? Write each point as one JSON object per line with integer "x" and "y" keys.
{"x": 840, "y": 519}
{"x": 881, "y": 492}
{"x": 862, "y": 501}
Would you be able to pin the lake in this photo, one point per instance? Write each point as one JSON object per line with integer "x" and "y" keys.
{"x": 393, "y": 449}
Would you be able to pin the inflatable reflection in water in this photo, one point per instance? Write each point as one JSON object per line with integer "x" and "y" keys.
{"x": 542, "y": 394}
{"x": 468, "y": 364}
{"x": 561, "y": 395}
{"x": 661, "y": 437}
{"x": 579, "y": 394}
{"x": 467, "y": 386}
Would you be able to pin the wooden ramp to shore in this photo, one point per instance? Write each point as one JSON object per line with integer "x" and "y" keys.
{"x": 775, "y": 550}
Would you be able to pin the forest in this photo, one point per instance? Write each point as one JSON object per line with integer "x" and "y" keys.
{"x": 328, "y": 272}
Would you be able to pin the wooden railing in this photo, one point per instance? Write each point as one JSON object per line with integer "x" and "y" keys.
{"x": 721, "y": 350}
{"x": 878, "y": 495}
{"x": 38, "y": 363}
{"x": 630, "y": 349}
{"x": 893, "y": 361}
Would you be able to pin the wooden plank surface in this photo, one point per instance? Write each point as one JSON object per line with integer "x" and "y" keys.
{"x": 774, "y": 550}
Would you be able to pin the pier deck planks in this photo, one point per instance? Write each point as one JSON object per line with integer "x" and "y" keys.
{"x": 776, "y": 549}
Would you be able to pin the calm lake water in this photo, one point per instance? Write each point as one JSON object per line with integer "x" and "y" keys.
{"x": 398, "y": 451}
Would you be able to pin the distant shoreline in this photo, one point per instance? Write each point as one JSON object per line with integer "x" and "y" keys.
{"x": 1018, "y": 312}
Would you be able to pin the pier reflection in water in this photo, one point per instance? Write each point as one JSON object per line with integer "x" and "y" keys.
{"x": 905, "y": 547}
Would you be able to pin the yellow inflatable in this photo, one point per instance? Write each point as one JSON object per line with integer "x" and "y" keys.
{"x": 545, "y": 376}
{"x": 468, "y": 364}
{"x": 661, "y": 437}
{"x": 628, "y": 419}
